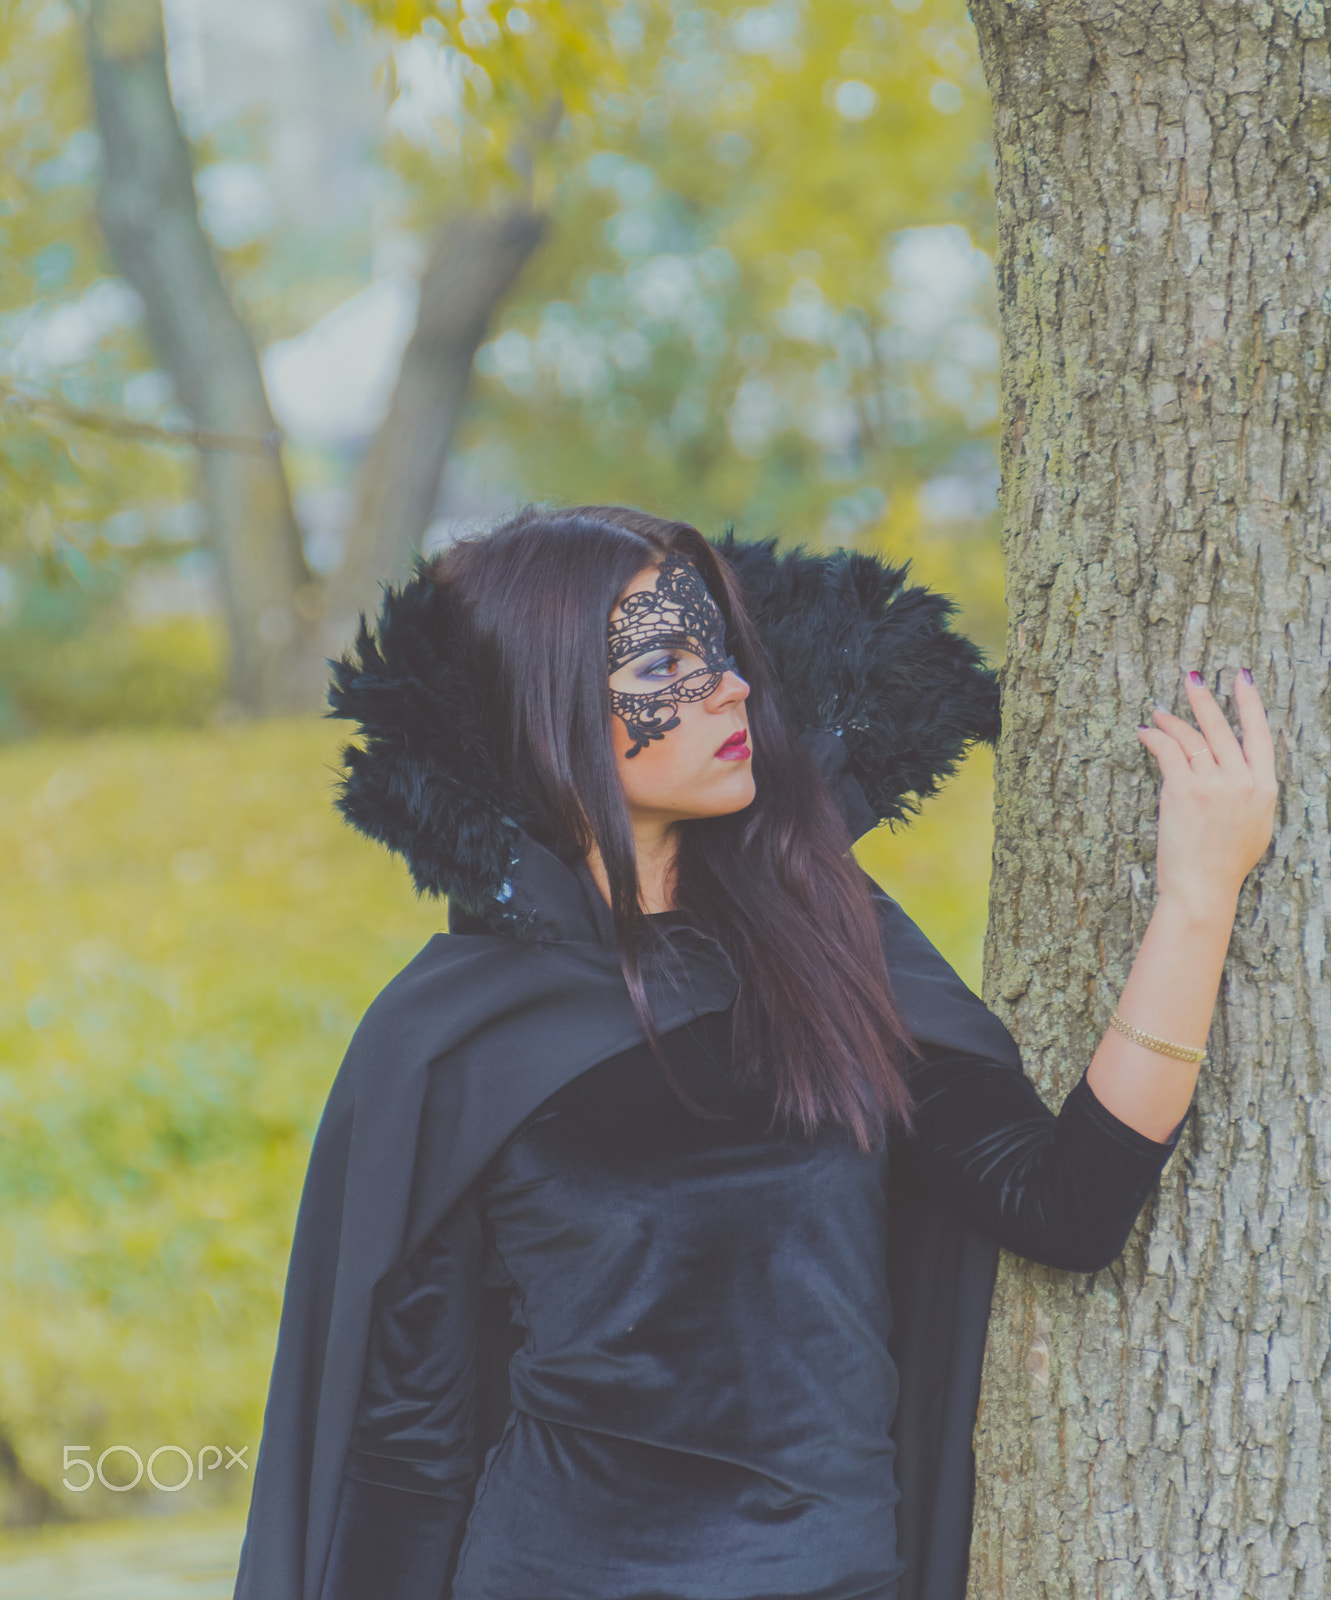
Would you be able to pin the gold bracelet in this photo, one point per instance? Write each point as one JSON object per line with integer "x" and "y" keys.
{"x": 1180, "y": 1052}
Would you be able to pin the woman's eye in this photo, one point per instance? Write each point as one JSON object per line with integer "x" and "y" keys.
{"x": 655, "y": 670}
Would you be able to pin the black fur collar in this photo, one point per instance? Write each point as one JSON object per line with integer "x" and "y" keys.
{"x": 855, "y": 651}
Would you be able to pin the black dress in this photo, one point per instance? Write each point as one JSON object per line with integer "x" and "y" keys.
{"x": 703, "y": 1393}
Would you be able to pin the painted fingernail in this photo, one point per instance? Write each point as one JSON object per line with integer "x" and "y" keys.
{"x": 1245, "y": 674}
{"x": 1195, "y": 678}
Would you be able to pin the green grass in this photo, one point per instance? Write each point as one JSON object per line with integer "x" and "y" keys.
{"x": 189, "y": 937}
{"x": 152, "y": 1558}
{"x": 107, "y": 673}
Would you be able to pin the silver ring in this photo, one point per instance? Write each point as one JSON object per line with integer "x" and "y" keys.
{"x": 1204, "y": 751}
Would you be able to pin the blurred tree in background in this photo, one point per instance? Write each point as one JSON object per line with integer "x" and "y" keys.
{"x": 81, "y": 508}
{"x": 757, "y": 291}
{"x": 150, "y": 216}
{"x": 765, "y": 294}
{"x": 729, "y": 213}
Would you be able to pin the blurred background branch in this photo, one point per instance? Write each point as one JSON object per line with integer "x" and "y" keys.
{"x": 474, "y": 262}
{"x": 122, "y": 427}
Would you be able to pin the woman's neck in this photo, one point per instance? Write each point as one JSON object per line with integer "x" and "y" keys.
{"x": 655, "y": 844}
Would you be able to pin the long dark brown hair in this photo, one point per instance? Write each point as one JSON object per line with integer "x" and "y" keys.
{"x": 774, "y": 884}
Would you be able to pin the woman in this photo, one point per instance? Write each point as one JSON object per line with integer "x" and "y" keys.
{"x": 650, "y": 1228}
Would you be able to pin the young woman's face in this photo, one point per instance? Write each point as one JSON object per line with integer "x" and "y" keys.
{"x": 676, "y": 700}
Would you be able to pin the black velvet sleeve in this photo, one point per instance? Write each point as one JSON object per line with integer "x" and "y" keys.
{"x": 1062, "y": 1189}
{"x": 412, "y": 1467}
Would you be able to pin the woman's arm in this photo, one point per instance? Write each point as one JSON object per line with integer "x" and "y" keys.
{"x": 1217, "y": 806}
{"x": 1170, "y": 994}
{"x": 1065, "y": 1190}
{"x": 1062, "y": 1189}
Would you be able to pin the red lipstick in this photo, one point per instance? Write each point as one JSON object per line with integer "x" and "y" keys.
{"x": 736, "y": 747}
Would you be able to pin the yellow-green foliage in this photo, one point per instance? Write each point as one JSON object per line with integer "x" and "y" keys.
{"x": 765, "y": 158}
{"x": 112, "y": 673}
{"x": 938, "y": 865}
{"x": 59, "y": 480}
{"x": 190, "y": 936}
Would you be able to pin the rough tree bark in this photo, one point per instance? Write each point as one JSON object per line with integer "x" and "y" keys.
{"x": 150, "y": 216}
{"x": 1164, "y": 201}
{"x": 474, "y": 263}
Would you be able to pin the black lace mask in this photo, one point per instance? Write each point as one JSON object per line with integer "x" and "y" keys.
{"x": 678, "y": 613}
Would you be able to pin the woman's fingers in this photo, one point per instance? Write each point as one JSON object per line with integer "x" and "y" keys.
{"x": 1167, "y": 751}
{"x": 1216, "y": 809}
{"x": 1258, "y": 747}
{"x": 1256, "y": 754}
{"x": 1188, "y": 742}
{"x": 1213, "y": 723}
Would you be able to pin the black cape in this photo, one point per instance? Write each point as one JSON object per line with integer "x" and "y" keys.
{"x": 482, "y": 1026}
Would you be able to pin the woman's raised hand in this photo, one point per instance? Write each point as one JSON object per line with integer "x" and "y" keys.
{"x": 1217, "y": 798}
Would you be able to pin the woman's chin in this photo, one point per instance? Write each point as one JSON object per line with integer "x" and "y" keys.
{"x": 730, "y": 797}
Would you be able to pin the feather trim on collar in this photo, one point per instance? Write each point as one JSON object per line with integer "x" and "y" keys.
{"x": 855, "y": 652}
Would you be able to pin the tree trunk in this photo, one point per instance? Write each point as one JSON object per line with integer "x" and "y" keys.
{"x": 150, "y": 216}
{"x": 1159, "y": 1429}
{"x": 281, "y": 621}
{"x": 474, "y": 263}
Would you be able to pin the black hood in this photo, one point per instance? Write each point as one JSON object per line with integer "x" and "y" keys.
{"x": 887, "y": 696}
